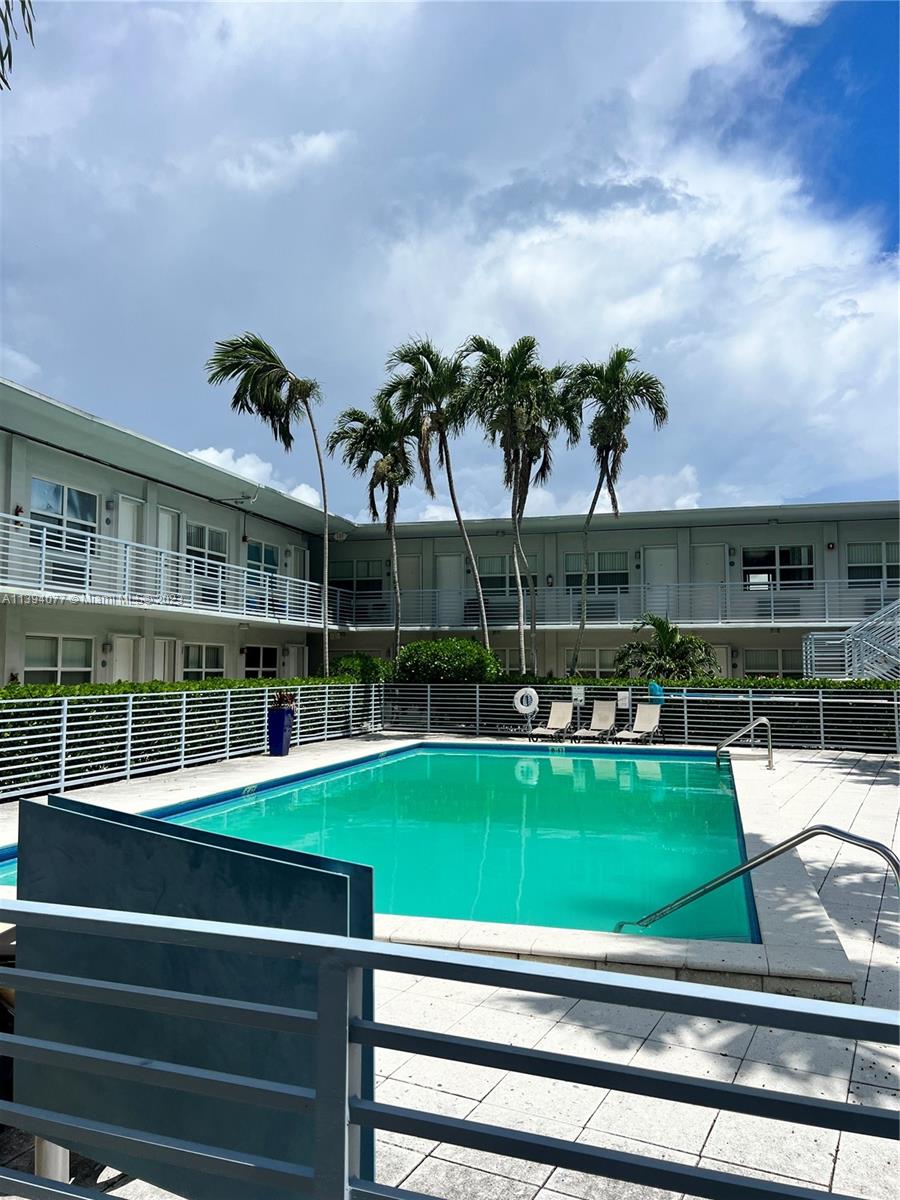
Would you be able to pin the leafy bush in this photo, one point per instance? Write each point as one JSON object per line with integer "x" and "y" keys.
{"x": 710, "y": 683}
{"x": 25, "y": 691}
{"x": 365, "y": 668}
{"x": 667, "y": 653}
{"x": 448, "y": 660}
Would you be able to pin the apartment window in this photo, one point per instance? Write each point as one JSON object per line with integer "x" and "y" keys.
{"x": 58, "y": 659}
{"x": 596, "y": 662}
{"x": 607, "y": 570}
{"x": 206, "y": 543}
{"x": 262, "y": 557}
{"x": 873, "y": 562}
{"x": 203, "y": 661}
{"x": 497, "y": 573}
{"x": 773, "y": 662}
{"x": 779, "y": 566}
{"x": 363, "y": 575}
{"x": 261, "y": 662}
{"x": 68, "y": 509}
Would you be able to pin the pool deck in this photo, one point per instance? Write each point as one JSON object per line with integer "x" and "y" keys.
{"x": 851, "y": 790}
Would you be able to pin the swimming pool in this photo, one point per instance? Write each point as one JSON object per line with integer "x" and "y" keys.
{"x": 575, "y": 838}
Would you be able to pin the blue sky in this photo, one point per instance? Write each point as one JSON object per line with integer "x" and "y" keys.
{"x": 714, "y": 184}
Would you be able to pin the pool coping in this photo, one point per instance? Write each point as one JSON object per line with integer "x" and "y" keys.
{"x": 799, "y": 954}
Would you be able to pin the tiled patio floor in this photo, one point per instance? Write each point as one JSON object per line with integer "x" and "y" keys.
{"x": 850, "y": 790}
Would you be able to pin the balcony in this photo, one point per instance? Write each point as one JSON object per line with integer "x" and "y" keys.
{"x": 90, "y": 569}
{"x": 827, "y": 602}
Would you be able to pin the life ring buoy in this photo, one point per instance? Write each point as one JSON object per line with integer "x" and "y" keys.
{"x": 527, "y": 772}
{"x": 526, "y": 701}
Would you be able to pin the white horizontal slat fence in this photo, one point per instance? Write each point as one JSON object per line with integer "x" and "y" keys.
{"x": 52, "y": 743}
{"x": 854, "y": 719}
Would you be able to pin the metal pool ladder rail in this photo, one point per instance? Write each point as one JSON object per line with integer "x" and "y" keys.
{"x": 892, "y": 860}
{"x": 749, "y": 729}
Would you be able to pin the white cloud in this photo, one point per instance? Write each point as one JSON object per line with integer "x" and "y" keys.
{"x": 794, "y": 12}
{"x": 262, "y": 164}
{"x": 17, "y": 366}
{"x": 258, "y": 470}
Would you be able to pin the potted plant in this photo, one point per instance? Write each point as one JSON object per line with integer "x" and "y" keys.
{"x": 281, "y": 721}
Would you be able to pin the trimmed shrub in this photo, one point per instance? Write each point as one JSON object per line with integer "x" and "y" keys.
{"x": 24, "y": 691}
{"x": 708, "y": 683}
{"x": 364, "y": 668}
{"x": 448, "y": 660}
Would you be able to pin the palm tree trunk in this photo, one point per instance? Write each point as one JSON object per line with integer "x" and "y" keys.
{"x": 532, "y": 592}
{"x": 585, "y": 531}
{"x": 520, "y": 598}
{"x": 470, "y": 554}
{"x": 326, "y": 664}
{"x": 392, "y": 532}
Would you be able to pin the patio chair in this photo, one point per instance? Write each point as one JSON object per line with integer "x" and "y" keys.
{"x": 558, "y": 723}
{"x": 644, "y": 727}
{"x": 603, "y": 723}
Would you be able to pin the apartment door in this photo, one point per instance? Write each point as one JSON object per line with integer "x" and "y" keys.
{"x": 134, "y": 562}
{"x": 126, "y": 664}
{"x": 448, "y": 579}
{"x": 169, "y": 541}
{"x": 708, "y": 575}
{"x": 660, "y": 566}
{"x": 409, "y": 573}
{"x": 723, "y": 657}
{"x": 164, "y": 659}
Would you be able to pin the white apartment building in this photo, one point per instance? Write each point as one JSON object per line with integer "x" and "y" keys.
{"x": 123, "y": 559}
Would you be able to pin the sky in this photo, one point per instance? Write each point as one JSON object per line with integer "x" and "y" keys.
{"x": 713, "y": 184}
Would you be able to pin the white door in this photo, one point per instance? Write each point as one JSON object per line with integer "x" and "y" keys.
{"x": 723, "y": 656}
{"x": 660, "y": 567}
{"x": 131, "y": 529}
{"x": 169, "y": 540}
{"x": 409, "y": 574}
{"x": 448, "y": 579}
{"x": 126, "y": 659}
{"x": 707, "y": 595}
{"x": 164, "y": 659}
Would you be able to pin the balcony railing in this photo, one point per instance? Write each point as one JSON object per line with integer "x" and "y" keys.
{"x": 822, "y": 602}
{"x": 40, "y": 557}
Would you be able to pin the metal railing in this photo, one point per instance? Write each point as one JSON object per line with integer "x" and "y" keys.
{"x": 748, "y": 728}
{"x": 821, "y": 718}
{"x": 697, "y": 893}
{"x": 39, "y": 557}
{"x": 58, "y": 742}
{"x": 868, "y": 650}
{"x": 822, "y": 602}
{"x": 338, "y": 1109}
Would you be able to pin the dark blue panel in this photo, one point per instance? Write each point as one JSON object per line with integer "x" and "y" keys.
{"x": 71, "y": 858}
{"x": 362, "y": 887}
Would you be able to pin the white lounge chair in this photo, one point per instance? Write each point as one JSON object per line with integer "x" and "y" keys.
{"x": 558, "y": 723}
{"x": 603, "y": 723}
{"x": 645, "y": 725}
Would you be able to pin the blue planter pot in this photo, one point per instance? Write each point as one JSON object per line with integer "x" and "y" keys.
{"x": 281, "y": 722}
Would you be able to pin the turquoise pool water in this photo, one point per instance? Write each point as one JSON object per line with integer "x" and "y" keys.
{"x": 537, "y": 837}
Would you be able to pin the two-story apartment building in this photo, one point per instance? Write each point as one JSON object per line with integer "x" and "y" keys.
{"x": 121, "y": 558}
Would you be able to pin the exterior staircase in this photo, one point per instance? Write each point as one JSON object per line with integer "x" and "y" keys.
{"x": 868, "y": 650}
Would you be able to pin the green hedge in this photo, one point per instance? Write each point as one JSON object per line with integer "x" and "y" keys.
{"x": 365, "y": 668}
{"x": 765, "y": 683}
{"x": 25, "y": 691}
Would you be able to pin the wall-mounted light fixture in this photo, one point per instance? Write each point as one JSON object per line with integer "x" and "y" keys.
{"x": 549, "y": 581}
{"x": 242, "y": 650}
{"x": 106, "y": 648}
{"x": 830, "y": 546}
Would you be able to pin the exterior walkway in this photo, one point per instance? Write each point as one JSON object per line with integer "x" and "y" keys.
{"x": 850, "y": 790}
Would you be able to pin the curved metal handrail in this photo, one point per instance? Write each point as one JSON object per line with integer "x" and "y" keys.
{"x": 748, "y": 729}
{"x": 804, "y": 835}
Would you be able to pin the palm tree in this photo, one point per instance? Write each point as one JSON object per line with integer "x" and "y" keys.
{"x": 521, "y": 407}
{"x": 8, "y": 33}
{"x": 268, "y": 390}
{"x": 669, "y": 653}
{"x": 431, "y": 387}
{"x": 615, "y": 391}
{"x": 383, "y": 443}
